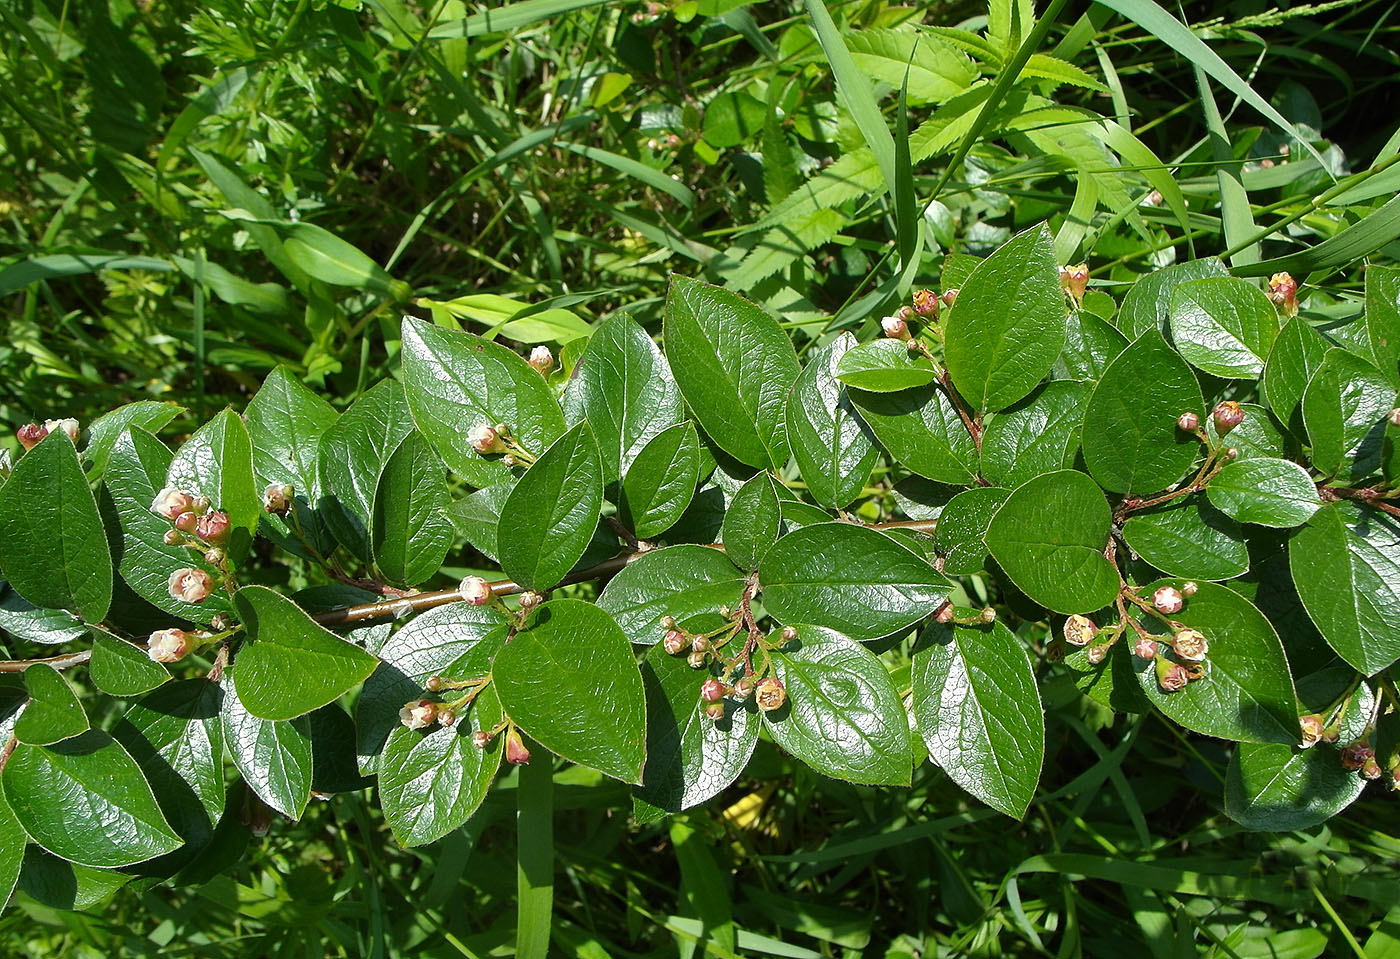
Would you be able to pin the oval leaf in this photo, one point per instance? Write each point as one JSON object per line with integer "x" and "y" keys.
{"x": 53, "y": 713}
{"x": 1345, "y": 407}
{"x": 217, "y": 461}
{"x": 962, "y": 527}
{"x": 1192, "y": 540}
{"x": 273, "y": 757}
{"x": 1038, "y": 435}
{"x": 1297, "y": 352}
{"x": 679, "y": 581}
{"x": 834, "y": 449}
{"x": 661, "y": 480}
{"x": 922, "y": 430}
{"x": 1270, "y": 786}
{"x": 884, "y": 366}
{"x": 551, "y": 513}
{"x": 752, "y": 523}
{"x": 119, "y": 668}
{"x": 1223, "y": 325}
{"x": 1269, "y": 492}
{"x": 411, "y": 533}
{"x": 350, "y": 459}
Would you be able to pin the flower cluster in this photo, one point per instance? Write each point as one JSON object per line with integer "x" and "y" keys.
{"x": 766, "y": 689}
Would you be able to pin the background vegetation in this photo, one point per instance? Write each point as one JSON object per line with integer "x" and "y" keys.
{"x": 175, "y": 178}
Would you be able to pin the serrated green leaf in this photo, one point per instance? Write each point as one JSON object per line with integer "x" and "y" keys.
{"x": 683, "y": 582}
{"x": 884, "y": 366}
{"x": 752, "y": 523}
{"x": 411, "y": 534}
{"x": 1148, "y": 304}
{"x": 1037, "y": 435}
{"x": 119, "y": 668}
{"x": 1273, "y": 787}
{"x": 1223, "y": 325}
{"x": 53, "y": 713}
{"x": 217, "y": 461}
{"x": 351, "y": 456}
{"x": 833, "y": 447}
{"x": 660, "y": 481}
{"x": 273, "y": 757}
{"x": 962, "y": 526}
{"x": 1269, "y": 492}
{"x": 1192, "y": 540}
{"x": 1345, "y": 407}
{"x": 921, "y": 429}
{"x": 1297, "y": 352}
{"x": 552, "y": 511}
{"x": 933, "y": 70}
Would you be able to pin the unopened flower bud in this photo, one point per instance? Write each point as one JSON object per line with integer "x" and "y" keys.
{"x": 541, "y": 359}
{"x": 67, "y": 425}
{"x": 714, "y": 711}
{"x": 170, "y": 503}
{"x": 418, "y": 713}
{"x": 675, "y": 641}
{"x": 1188, "y": 422}
{"x": 945, "y": 613}
{"x": 1283, "y": 292}
{"x": 787, "y": 634}
{"x": 1145, "y": 648}
{"x": 1311, "y": 727}
{"x": 190, "y": 585}
{"x": 168, "y": 645}
{"x": 447, "y": 717}
{"x": 1172, "y": 676}
{"x": 1189, "y": 588}
{"x": 1394, "y": 417}
{"x": 30, "y": 434}
{"x": 695, "y": 659}
{"x": 1096, "y": 654}
{"x": 214, "y": 556}
{"x": 199, "y": 505}
{"x": 509, "y": 460}
{"x": 187, "y": 522}
{"x": 712, "y": 690}
{"x": 173, "y": 537}
{"x": 667, "y": 622}
{"x": 743, "y": 689}
{"x": 701, "y": 644}
{"x": 1230, "y": 453}
{"x": 925, "y": 302}
{"x": 1168, "y": 599}
{"x": 770, "y": 693}
{"x": 1227, "y": 416}
{"x": 1371, "y": 769}
{"x": 435, "y": 684}
{"x": 1190, "y": 644}
{"x": 220, "y": 622}
{"x": 475, "y": 591}
{"x": 905, "y": 313}
{"x": 278, "y": 497}
{"x": 516, "y": 753}
{"x": 1075, "y": 280}
{"x": 481, "y": 739}
{"x": 988, "y": 615}
{"x": 948, "y": 297}
{"x": 1356, "y": 755}
{"x": 486, "y": 439}
{"x": 213, "y": 527}
{"x": 529, "y": 600}
{"x": 895, "y": 328}
{"x": 1080, "y": 630}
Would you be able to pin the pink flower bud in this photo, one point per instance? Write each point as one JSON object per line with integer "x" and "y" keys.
{"x": 529, "y": 600}
{"x": 1283, "y": 292}
{"x": 447, "y": 717}
{"x": 170, "y": 503}
{"x": 278, "y": 497}
{"x": 1168, "y": 599}
{"x": 770, "y": 693}
{"x": 1394, "y": 417}
{"x": 949, "y": 297}
{"x": 712, "y": 690}
{"x": 1190, "y": 644}
{"x": 987, "y": 616}
{"x": 1227, "y": 416}
{"x": 905, "y": 313}
{"x": 675, "y": 642}
{"x": 700, "y": 644}
{"x": 541, "y": 359}
{"x": 190, "y": 585}
{"x": 1145, "y": 648}
{"x": 1355, "y": 755}
{"x": 168, "y": 645}
{"x": 714, "y": 711}
{"x": 418, "y": 713}
{"x": 895, "y": 328}
{"x": 1189, "y": 589}
{"x": 187, "y": 522}
{"x": 30, "y": 434}
{"x": 475, "y": 591}
{"x": 743, "y": 689}
{"x": 787, "y": 634}
{"x": 1312, "y": 728}
{"x": 695, "y": 659}
{"x": 1371, "y": 769}
{"x": 213, "y": 527}
{"x": 173, "y": 537}
{"x": 214, "y": 556}
{"x": 486, "y": 439}
{"x": 945, "y": 613}
{"x": 1096, "y": 654}
{"x": 516, "y": 753}
{"x": 1188, "y": 422}
{"x": 925, "y": 303}
{"x": 1080, "y": 630}
{"x": 1075, "y": 280}
{"x": 481, "y": 739}
{"x": 435, "y": 684}
{"x": 1172, "y": 676}
{"x": 68, "y": 425}
{"x": 667, "y": 622}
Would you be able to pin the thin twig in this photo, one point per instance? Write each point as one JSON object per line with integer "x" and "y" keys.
{"x": 62, "y": 661}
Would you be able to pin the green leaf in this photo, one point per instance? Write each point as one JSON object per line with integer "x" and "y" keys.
{"x": 1269, "y": 492}
{"x": 1346, "y": 566}
{"x": 1383, "y": 318}
{"x": 690, "y": 757}
{"x": 1148, "y": 304}
{"x": 552, "y": 511}
{"x": 119, "y": 668}
{"x": 104, "y": 431}
{"x": 478, "y": 517}
{"x": 623, "y": 387}
{"x": 53, "y": 713}
{"x": 1008, "y": 326}
{"x": 1223, "y": 325}
{"x": 1256, "y": 437}
{"x": 680, "y": 581}
{"x": 1273, "y": 787}
{"x": 1039, "y": 434}
{"x": 1131, "y": 443}
{"x": 1050, "y": 535}
{"x": 1091, "y": 343}
{"x": 135, "y": 474}
{"x": 351, "y": 457}
{"x": 660, "y": 481}
{"x": 752, "y": 523}
{"x": 411, "y": 533}
{"x": 1345, "y": 407}
{"x": 1192, "y": 540}
{"x": 61, "y": 884}
{"x": 935, "y": 70}
{"x": 217, "y": 461}
{"x": 456, "y": 382}
{"x": 921, "y": 429}
{"x": 273, "y": 757}
{"x": 12, "y": 846}
{"x": 1297, "y": 353}
{"x": 326, "y": 257}
{"x": 52, "y": 545}
{"x": 978, "y": 709}
{"x": 432, "y": 781}
{"x": 1247, "y": 694}
{"x": 570, "y": 682}
{"x": 290, "y": 665}
{"x": 833, "y": 447}
{"x": 35, "y": 624}
{"x": 843, "y": 716}
{"x": 849, "y": 578}
{"x": 884, "y": 366}
{"x": 734, "y": 365}
{"x": 962, "y": 526}
{"x": 117, "y": 823}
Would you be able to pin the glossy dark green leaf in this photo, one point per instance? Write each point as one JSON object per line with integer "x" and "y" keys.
{"x": 1345, "y": 407}
{"x": 1223, "y": 325}
{"x": 217, "y": 461}
{"x": 884, "y": 366}
{"x": 1050, "y": 535}
{"x": 1112, "y": 682}
{"x": 289, "y": 665}
{"x": 351, "y": 456}
{"x": 734, "y": 365}
{"x": 1039, "y": 434}
{"x": 12, "y": 845}
{"x": 333, "y": 760}
{"x": 456, "y": 382}
{"x": 1277, "y": 788}
{"x": 922, "y": 430}
{"x": 683, "y": 582}
{"x": 149, "y": 415}
{"x": 962, "y": 526}
{"x": 1383, "y": 318}
{"x": 1008, "y": 326}
{"x": 1346, "y": 565}
{"x": 690, "y": 757}
{"x": 119, "y": 668}
{"x": 61, "y": 884}
{"x": 117, "y": 822}
{"x": 1257, "y": 436}
{"x": 52, "y": 546}
{"x": 978, "y": 709}
{"x": 478, "y": 516}
{"x": 850, "y": 578}
{"x": 53, "y": 713}
{"x": 1091, "y": 343}
{"x": 1131, "y": 443}
{"x": 1148, "y": 304}
{"x": 1192, "y": 540}
{"x": 552, "y": 511}
{"x": 660, "y": 481}
{"x": 1297, "y": 353}
{"x": 843, "y": 716}
{"x": 834, "y": 449}
{"x": 135, "y": 474}
{"x": 35, "y": 624}
{"x": 623, "y": 387}
{"x": 570, "y": 682}
{"x": 752, "y": 523}
{"x": 1247, "y": 694}
{"x": 411, "y": 533}
{"x": 1269, "y": 492}
{"x": 273, "y": 757}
